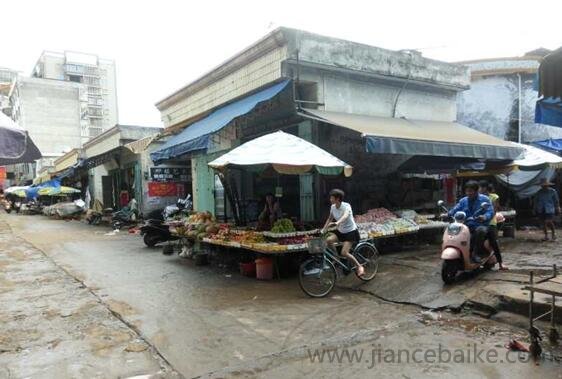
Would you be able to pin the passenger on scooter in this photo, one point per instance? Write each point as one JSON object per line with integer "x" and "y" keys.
{"x": 478, "y": 217}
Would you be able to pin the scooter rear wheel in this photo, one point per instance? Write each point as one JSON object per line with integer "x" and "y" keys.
{"x": 150, "y": 240}
{"x": 450, "y": 269}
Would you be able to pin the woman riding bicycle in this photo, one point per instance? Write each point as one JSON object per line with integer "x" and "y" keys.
{"x": 346, "y": 231}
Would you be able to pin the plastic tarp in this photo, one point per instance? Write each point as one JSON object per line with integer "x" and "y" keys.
{"x": 525, "y": 184}
{"x": 15, "y": 144}
{"x": 286, "y": 153}
{"x": 554, "y": 145}
{"x": 385, "y": 135}
{"x": 33, "y": 191}
{"x": 535, "y": 159}
{"x": 196, "y": 137}
{"x": 549, "y": 111}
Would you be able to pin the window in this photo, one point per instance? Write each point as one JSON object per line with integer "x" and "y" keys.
{"x": 75, "y": 78}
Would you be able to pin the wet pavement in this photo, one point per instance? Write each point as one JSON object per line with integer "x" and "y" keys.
{"x": 211, "y": 322}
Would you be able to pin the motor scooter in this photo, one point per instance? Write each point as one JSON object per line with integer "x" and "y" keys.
{"x": 155, "y": 231}
{"x": 455, "y": 250}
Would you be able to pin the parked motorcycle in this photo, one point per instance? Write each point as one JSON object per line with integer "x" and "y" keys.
{"x": 155, "y": 231}
{"x": 455, "y": 250}
{"x": 126, "y": 216}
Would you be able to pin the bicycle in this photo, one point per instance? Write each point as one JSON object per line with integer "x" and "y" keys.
{"x": 318, "y": 274}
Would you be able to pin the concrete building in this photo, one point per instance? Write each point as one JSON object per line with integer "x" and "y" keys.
{"x": 326, "y": 74}
{"x": 98, "y": 78}
{"x": 51, "y": 112}
{"x": 112, "y": 167}
{"x": 502, "y": 97}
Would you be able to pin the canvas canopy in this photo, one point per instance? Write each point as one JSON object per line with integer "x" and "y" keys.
{"x": 385, "y": 135}
{"x": 197, "y": 136}
{"x": 286, "y": 153}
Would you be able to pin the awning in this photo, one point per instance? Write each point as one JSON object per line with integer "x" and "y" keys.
{"x": 286, "y": 153}
{"x": 196, "y": 137}
{"x": 142, "y": 144}
{"x": 15, "y": 144}
{"x": 102, "y": 158}
{"x": 386, "y": 135}
{"x": 439, "y": 165}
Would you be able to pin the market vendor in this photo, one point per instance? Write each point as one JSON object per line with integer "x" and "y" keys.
{"x": 271, "y": 213}
{"x": 346, "y": 228}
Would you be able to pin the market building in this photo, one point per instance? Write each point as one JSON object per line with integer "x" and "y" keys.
{"x": 373, "y": 108}
{"x": 118, "y": 167}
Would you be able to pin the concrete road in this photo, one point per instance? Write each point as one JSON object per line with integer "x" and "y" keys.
{"x": 211, "y": 322}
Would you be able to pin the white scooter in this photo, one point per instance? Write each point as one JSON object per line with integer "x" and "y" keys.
{"x": 455, "y": 250}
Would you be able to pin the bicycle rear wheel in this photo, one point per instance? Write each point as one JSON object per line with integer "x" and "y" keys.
{"x": 317, "y": 277}
{"x": 368, "y": 257}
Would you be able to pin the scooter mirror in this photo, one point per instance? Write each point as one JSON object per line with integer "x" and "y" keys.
{"x": 460, "y": 216}
{"x": 440, "y": 203}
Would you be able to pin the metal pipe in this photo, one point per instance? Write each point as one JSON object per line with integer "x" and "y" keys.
{"x": 519, "y": 109}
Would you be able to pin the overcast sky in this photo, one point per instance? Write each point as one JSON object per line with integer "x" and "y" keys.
{"x": 162, "y": 45}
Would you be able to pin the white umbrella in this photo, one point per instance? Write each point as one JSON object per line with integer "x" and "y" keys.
{"x": 286, "y": 153}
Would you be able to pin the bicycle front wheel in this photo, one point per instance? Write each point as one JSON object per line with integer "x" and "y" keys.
{"x": 317, "y": 277}
{"x": 368, "y": 257}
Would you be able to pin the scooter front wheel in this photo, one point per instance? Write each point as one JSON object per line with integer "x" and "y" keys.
{"x": 450, "y": 269}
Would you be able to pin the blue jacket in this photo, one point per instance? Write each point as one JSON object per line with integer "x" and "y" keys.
{"x": 470, "y": 207}
{"x": 546, "y": 201}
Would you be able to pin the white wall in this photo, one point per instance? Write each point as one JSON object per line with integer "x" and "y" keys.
{"x": 492, "y": 102}
{"x": 50, "y": 111}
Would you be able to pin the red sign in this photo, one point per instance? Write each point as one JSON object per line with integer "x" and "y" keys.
{"x": 166, "y": 189}
{"x": 2, "y": 173}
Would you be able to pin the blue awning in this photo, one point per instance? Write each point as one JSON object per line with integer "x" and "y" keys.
{"x": 549, "y": 111}
{"x": 554, "y": 145}
{"x": 196, "y": 137}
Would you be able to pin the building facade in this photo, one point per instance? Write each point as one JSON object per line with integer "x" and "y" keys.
{"x": 326, "y": 74}
{"x": 98, "y": 107}
{"x": 502, "y": 98}
{"x": 113, "y": 168}
{"x": 51, "y": 112}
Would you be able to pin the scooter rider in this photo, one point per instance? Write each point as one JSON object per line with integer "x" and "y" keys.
{"x": 470, "y": 205}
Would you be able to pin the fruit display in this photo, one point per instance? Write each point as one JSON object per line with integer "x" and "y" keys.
{"x": 377, "y": 215}
{"x": 381, "y": 222}
{"x": 302, "y": 233}
{"x": 299, "y": 240}
{"x": 402, "y": 225}
{"x": 283, "y": 225}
